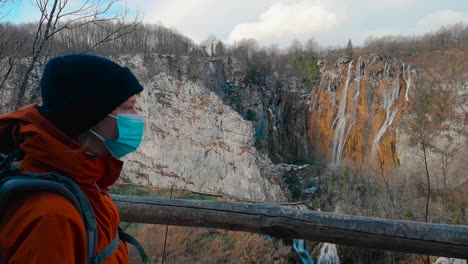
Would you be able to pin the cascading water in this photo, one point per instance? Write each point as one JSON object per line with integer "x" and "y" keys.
{"x": 357, "y": 79}
{"x": 388, "y": 100}
{"x": 396, "y": 88}
{"x": 369, "y": 101}
{"x": 314, "y": 103}
{"x": 387, "y": 70}
{"x": 328, "y": 254}
{"x": 407, "y": 77}
{"x": 339, "y": 138}
{"x": 274, "y": 125}
{"x": 332, "y": 93}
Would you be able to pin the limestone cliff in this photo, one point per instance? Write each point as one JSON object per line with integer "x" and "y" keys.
{"x": 192, "y": 140}
{"x": 369, "y": 111}
{"x": 277, "y": 107}
{"x": 353, "y": 109}
{"x": 207, "y": 122}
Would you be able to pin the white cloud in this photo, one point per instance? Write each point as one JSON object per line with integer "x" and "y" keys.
{"x": 395, "y": 4}
{"x": 330, "y": 22}
{"x": 426, "y": 24}
{"x": 440, "y": 18}
{"x": 289, "y": 20}
{"x": 200, "y": 18}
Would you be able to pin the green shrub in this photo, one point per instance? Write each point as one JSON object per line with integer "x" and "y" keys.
{"x": 249, "y": 115}
{"x": 308, "y": 68}
{"x": 294, "y": 186}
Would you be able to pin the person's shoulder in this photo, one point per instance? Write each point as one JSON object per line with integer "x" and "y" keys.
{"x": 46, "y": 205}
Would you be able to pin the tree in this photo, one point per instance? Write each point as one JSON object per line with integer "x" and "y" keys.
{"x": 209, "y": 44}
{"x": 57, "y": 16}
{"x": 311, "y": 48}
{"x": 349, "y": 49}
{"x": 2, "y": 4}
{"x": 11, "y": 44}
{"x": 220, "y": 49}
{"x": 295, "y": 48}
{"x": 243, "y": 50}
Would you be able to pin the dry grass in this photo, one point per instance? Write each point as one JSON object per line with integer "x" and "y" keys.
{"x": 200, "y": 245}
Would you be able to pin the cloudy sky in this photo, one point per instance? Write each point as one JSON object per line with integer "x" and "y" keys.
{"x": 330, "y": 22}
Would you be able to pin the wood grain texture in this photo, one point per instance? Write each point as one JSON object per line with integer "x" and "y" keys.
{"x": 284, "y": 222}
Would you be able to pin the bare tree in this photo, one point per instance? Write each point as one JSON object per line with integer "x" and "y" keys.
{"x": 220, "y": 49}
{"x": 11, "y": 47}
{"x": 312, "y": 47}
{"x": 209, "y": 44}
{"x": 424, "y": 145}
{"x": 244, "y": 50}
{"x": 3, "y": 14}
{"x": 295, "y": 48}
{"x": 57, "y": 16}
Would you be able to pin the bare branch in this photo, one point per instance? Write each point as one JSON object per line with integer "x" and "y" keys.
{"x": 36, "y": 55}
{"x": 114, "y": 35}
{"x": 55, "y": 18}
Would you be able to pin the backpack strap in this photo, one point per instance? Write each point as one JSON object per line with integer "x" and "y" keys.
{"x": 131, "y": 240}
{"x": 107, "y": 252}
{"x": 15, "y": 155}
{"x": 110, "y": 249}
{"x": 16, "y": 185}
{"x": 14, "y": 182}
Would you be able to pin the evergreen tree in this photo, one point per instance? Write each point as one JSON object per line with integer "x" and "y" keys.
{"x": 349, "y": 49}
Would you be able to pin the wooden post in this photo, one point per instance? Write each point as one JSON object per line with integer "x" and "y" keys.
{"x": 284, "y": 222}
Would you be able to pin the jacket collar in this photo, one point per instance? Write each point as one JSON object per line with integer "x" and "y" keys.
{"x": 49, "y": 149}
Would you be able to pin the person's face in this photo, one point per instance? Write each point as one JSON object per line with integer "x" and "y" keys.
{"x": 107, "y": 128}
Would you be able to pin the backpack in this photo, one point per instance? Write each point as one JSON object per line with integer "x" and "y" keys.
{"x": 13, "y": 182}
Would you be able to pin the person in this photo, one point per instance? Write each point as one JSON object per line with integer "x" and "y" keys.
{"x": 87, "y": 121}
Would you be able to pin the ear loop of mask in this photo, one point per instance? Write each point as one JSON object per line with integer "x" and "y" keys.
{"x": 97, "y": 135}
{"x": 103, "y": 140}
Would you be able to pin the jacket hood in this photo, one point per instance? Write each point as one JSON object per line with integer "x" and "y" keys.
{"x": 48, "y": 149}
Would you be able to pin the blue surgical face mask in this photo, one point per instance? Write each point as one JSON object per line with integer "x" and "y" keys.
{"x": 130, "y": 127}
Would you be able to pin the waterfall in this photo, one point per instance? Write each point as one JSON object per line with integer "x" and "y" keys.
{"x": 339, "y": 138}
{"x": 358, "y": 78}
{"x": 274, "y": 125}
{"x": 300, "y": 247}
{"x": 407, "y": 77}
{"x": 387, "y": 71}
{"x": 388, "y": 100}
{"x": 328, "y": 254}
{"x": 444, "y": 260}
{"x": 332, "y": 93}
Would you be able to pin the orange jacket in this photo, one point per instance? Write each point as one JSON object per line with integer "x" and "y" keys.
{"x": 45, "y": 227}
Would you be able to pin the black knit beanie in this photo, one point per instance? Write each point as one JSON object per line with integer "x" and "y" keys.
{"x": 79, "y": 90}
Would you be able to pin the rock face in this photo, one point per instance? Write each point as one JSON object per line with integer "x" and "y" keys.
{"x": 277, "y": 108}
{"x": 198, "y": 135}
{"x": 194, "y": 141}
{"x": 446, "y": 146}
{"x": 353, "y": 112}
{"x": 368, "y": 111}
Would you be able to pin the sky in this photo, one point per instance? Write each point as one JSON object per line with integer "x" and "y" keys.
{"x": 329, "y": 22}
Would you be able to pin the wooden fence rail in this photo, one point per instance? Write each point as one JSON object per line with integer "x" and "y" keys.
{"x": 284, "y": 222}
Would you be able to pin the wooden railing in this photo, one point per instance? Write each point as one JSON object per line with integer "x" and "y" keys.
{"x": 284, "y": 222}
